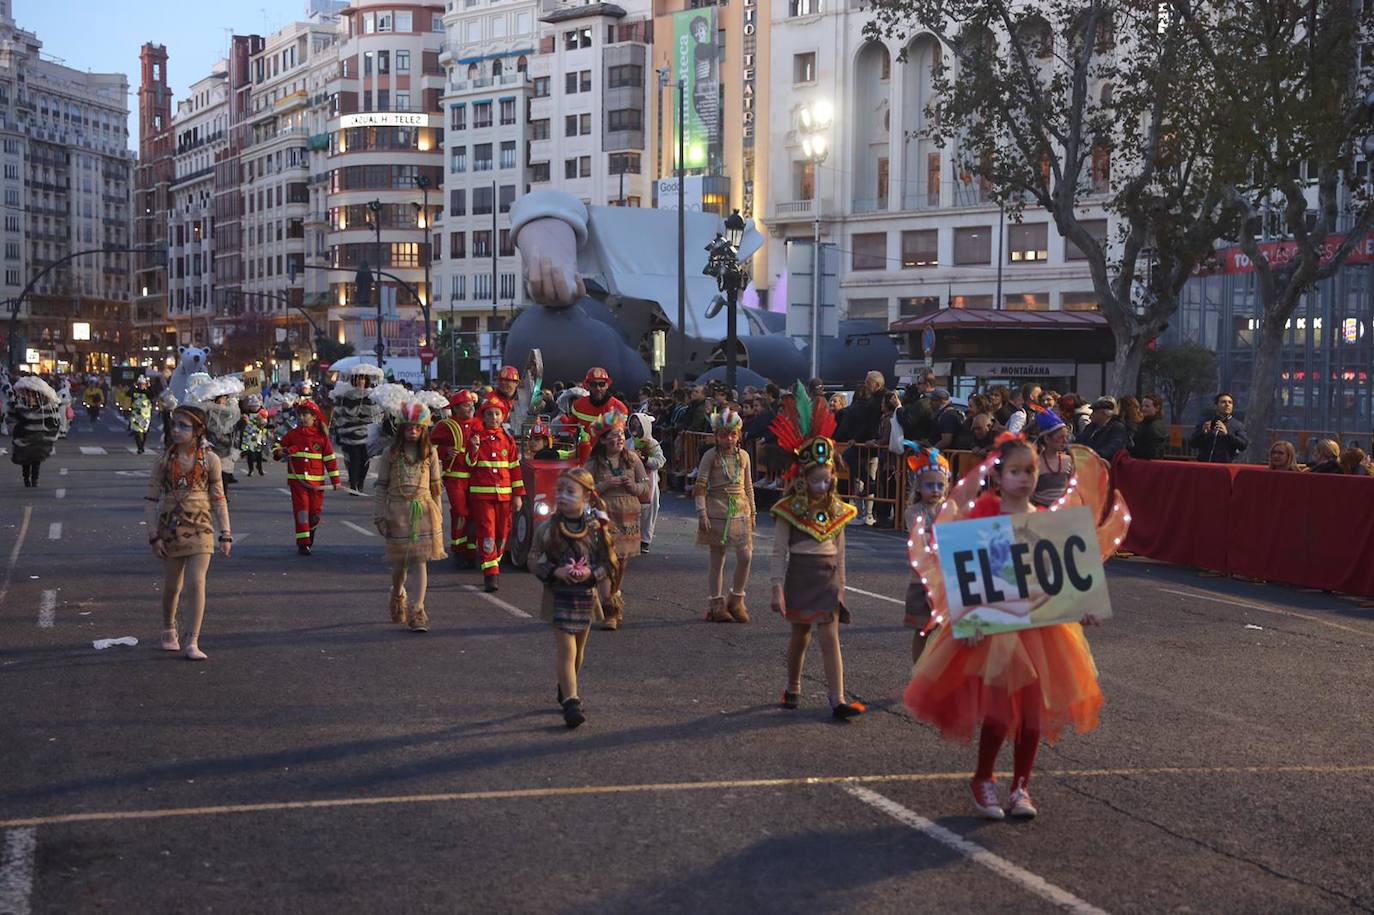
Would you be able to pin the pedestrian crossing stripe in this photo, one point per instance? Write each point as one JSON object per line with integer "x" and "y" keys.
{"x": 93, "y": 449}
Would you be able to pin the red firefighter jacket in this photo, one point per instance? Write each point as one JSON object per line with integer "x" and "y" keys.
{"x": 309, "y": 455}
{"x": 493, "y": 467}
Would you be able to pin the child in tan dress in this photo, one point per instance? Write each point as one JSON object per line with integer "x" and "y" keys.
{"x": 623, "y": 484}
{"x": 184, "y": 492}
{"x": 408, "y": 513}
{"x": 724, "y": 494}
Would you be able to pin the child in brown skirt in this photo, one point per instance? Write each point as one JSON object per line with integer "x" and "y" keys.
{"x": 808, "y": 573}
{"x": 574, "y": 556}
{"x": 407, "y": 513}
{"x": 724, "y": 495}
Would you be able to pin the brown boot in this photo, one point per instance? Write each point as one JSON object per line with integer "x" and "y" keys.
{"x": 735, "y": 607}
{"x": 398, "y": 607}
{"x": 716, "y": 612}
{"x": 417, "y": 619}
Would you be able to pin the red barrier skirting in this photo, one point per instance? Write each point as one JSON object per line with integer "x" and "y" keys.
{"x": 1310, "y": 530}
{"x": 1314, "y": 530}
{"x": 1180, "y": 512}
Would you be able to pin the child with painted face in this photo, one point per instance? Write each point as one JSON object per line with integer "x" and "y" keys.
{"x": 574, "y": 556}
{"x": 931, "y": 475}
{"x": 808, "y": 571}
{"x": 408, "y": 513}
{"x": 1022, "y": 685}
{"x": 184, "y": 493}
{"x": 724, "y": 494}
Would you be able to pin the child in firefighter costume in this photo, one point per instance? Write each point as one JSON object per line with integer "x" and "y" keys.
{"x": 450, "y": 438}
{"x": 623, "y": 484}
{"x": 407, "y": 513}
{"x": 140, "y": 413}
{"x": 724, "y": 493}
{"x": 808, "y": 574}
{"x": 310, "y": 464}
{"x": 494, "y": 489}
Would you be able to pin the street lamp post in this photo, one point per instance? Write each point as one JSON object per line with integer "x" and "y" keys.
{"x": 375, "y": 206}
{"x": 816, "y": 118}
{"x": 723, "y": 264}
{"x": 422, "y": 182}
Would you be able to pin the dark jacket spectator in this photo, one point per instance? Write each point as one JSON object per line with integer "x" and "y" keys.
{"x": 1220, "y": 439}
{"x": 864, "y": 415}
{"x": 1151, "y": 438}
{"x": 948, "y": 423}
{"x": 1326, "y": 458}
{"x": 1107, "y": 433}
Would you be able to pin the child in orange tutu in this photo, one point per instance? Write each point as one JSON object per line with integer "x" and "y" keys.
{"x": 1028, "y": 684}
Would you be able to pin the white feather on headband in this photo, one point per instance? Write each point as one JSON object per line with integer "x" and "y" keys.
{"x": 432, "y": 399}
{"x": 207, "y": 391}
{"x": 38, "y": 386}
{"x": 390, "y": 396}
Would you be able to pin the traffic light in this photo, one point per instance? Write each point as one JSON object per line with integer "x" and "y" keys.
{"x": 363, "y": 279}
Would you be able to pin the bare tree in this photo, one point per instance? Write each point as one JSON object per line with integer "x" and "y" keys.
{"x": 1295, "y": 89}
{"x": 1055, "y": 102}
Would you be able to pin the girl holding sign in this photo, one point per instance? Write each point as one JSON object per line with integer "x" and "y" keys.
{"x": 1024, "y": 685}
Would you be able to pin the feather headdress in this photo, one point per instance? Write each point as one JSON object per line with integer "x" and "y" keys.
{"x": 804, "y": 427}
{"x": 926, "y": 460}
{"x": 726, "y": 420}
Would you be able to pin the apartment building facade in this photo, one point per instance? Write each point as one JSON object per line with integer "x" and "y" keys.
{"x": 66, "y": 176}
{"x": 913, "y": 230}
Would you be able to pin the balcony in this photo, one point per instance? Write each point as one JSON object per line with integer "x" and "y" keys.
{"x": 870, "y": 205}
{"x": 930, "y": 200}
{"x": 488, "y": 82}
{"x": 793, "y": 211}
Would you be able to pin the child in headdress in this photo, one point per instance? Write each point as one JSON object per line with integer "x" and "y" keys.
{"x": 930, "y": 474}
{"x": 808, "y": 573}
{"x": 407, "y": 513}
{"x": 724, "y": 493}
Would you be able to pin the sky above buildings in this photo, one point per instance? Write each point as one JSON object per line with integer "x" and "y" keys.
{"x": 106, "y": 37}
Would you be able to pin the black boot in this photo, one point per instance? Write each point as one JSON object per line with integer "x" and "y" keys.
{"x": 492, "y": 584}
{"x": 572, "y": 713}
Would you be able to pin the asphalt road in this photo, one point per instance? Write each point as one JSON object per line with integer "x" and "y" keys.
{"x": 323, "y": 760}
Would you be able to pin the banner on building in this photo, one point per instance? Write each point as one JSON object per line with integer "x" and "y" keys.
{"x": 1278, "y": 253}
{"x": 697, "y": 66}
{"x": 692, "y": 193}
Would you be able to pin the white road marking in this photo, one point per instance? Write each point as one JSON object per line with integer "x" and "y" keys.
{"x": 131, "y": 449}
{"x": 55, "y": 530}
{"x": 976, "y": 853}
{"x": 60, "y": 494}
{"x": 47, "y": 609}
{"x": 492, "y": 599}
{"x": 16, "y": 871}
{"x": 360, "y": 529}
{"x": 93, "y": 449}
{"x": 1273, "y": 610}
{"x": 283, "y": 490}
{"x": 131, "y": 473}
{"x": 62, "y": 472}
{"x": 14, "y": 552}
{"x": 890, "y": 600}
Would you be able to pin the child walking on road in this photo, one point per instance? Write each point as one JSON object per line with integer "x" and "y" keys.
{"x": 808, "y": 575}
{"x": 408, "y": 513}
{"x": 1022, "y": 685}
{"x": 574, "y": 556}
{"x": 724, "y": 495}
{"x": 930, "y": 471}
{"x": 310, "y": 464}
{"x": 184, "y": 491}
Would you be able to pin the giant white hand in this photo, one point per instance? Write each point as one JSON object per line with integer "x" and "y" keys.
{"x": 548, "y": 248}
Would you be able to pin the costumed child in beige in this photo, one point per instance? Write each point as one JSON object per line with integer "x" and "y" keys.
{"x": 930, "y": 473}
{"x": 623, "y": 483}
{"x": 574, "y": 556}
{"x": 408, "y": 513}
{"x": 808, "y": 552}
{"x": 724, "y": 493}
{"x": 184, "y": 492}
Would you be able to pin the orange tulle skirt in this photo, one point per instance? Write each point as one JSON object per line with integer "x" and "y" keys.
{"x": 1044, "y": 678}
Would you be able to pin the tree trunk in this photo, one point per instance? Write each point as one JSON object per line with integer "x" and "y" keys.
{"x": 1264, "y": 377}
{"x": 1124, "y": 376}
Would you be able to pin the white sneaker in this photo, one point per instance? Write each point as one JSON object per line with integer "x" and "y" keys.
{"x": 870, "y": 520}
{"x": 985, "y": 799}
{"x": 1021, "y": 806}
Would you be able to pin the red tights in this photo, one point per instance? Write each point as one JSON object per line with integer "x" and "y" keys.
{"x": 1023, "y": 749}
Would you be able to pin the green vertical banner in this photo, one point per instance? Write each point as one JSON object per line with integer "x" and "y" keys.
{"x": 698, "y": 67}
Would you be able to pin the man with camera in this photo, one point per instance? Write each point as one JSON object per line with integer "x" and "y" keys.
{"x": 1222, "y": 438}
